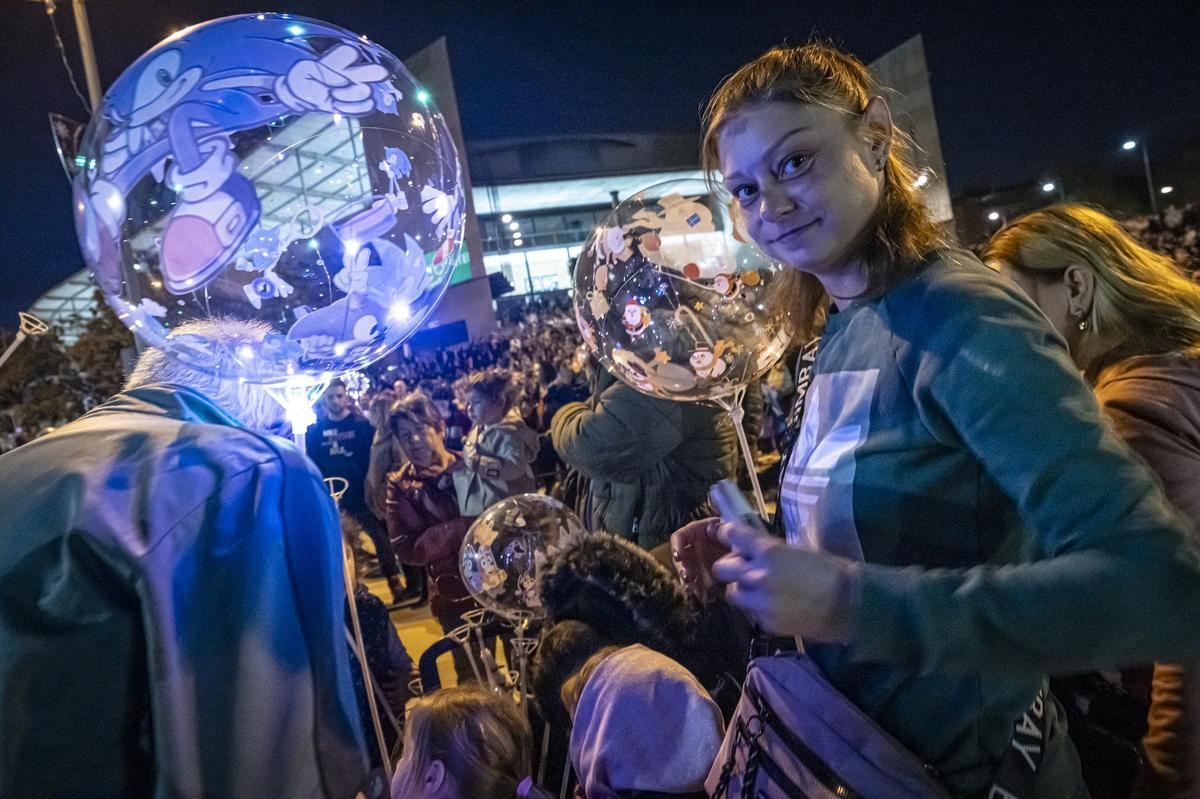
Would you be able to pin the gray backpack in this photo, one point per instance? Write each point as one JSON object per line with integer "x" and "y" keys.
{"x": 795, "y": 735}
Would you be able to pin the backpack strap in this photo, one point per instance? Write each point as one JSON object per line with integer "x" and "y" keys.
{"x": 1019, "y": 766}
{"x": 804, "y": 374}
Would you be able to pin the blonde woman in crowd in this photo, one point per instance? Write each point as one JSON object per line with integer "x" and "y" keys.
{"x": 1131, "y": 322}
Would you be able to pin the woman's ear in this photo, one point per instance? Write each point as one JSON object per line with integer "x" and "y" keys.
{"x": 1080, "y": 282}
{"x": 434, "y": 780}
{"x": 877, "y": 129}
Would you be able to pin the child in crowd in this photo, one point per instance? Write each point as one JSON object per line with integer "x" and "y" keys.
{"x": 465, "y": 743}
{"x": 499, "y": 451}
{"x": 642, "y": 726}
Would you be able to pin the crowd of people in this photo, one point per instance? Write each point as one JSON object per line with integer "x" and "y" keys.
{"x": 1175, "y": 233}
{"x": 988, "y": 503}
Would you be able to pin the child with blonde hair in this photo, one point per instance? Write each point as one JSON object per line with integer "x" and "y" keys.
{"x": 465, "y": 743}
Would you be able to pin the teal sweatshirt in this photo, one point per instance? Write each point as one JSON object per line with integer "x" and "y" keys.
{"x": 950, "y": 444}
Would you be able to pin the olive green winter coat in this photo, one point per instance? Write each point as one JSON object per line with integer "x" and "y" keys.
{"x": 650, "y": 461}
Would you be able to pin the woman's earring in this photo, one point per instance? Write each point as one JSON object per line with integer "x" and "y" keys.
{"x": 1083, "y": 325}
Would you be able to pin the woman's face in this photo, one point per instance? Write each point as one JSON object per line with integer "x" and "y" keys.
{"x": 421, "y": 443}
{"x": 806, "y": 180}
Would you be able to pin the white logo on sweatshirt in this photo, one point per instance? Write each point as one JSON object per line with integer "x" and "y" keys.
{"x": 818, "y": 487}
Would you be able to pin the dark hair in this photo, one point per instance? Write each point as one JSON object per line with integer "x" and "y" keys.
{"x": 336, "y": 382}
{"x": 819, "y": 74}
{"x": 564, "y": 648}
{"x": 621, "y": 592}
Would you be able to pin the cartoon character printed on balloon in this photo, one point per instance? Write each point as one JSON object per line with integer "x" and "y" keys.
{"x": 707, "y": 361}
{"x": 610, "y": 246}
{"x": 598, "y": 303}
{"x": 382, "y": 281}
{"x": 395, "y": 165}
{"x": 491, "y": 576}
{"x": 484, "y": 533}
{"x": 675, "y": 217}
{"x": 177, "y": 118}
{"x": 729, "y": 286}
{"x": 585, "y": 328}
{"x": 445, "y": 211}
{"x": 636, "y": 319}
{"x": 519, "y": 556}
{"x": 261, "y": 252}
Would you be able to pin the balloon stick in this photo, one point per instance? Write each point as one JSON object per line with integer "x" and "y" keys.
{"x": 337, "y": 487}
{"x": 733, "y": 406}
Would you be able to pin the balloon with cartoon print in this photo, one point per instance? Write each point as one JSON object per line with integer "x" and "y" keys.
{"x": 274, "y": 168}
{"x": 673, "y": 299}
{"x": 509, "y": 546}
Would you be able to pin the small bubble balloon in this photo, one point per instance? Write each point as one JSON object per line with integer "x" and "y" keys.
{"x": 509, "y": 547}
{"x": 674, "y": 298}
{"x": 274, "y": 168}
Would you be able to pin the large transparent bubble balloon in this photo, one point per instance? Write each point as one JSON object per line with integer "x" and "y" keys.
{"x": 675, "y": 299}
{"x": 508, "y": 548}
{"x": 274, "y": 168}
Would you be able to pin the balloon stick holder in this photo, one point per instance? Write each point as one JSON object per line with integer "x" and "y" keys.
{"x": 475, "y": 621}
{"x": 30, "y": 326}
{"x": 337, "y": 488}
{"x": 733, "y": 406}
{"x": 522, "y": 648}
{"x": 297, "y": 397}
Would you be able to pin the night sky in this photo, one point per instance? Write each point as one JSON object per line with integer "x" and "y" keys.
{"x": 1018, "y": 90}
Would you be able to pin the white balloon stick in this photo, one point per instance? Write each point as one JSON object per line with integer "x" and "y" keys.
{"x": 30, "y": 326}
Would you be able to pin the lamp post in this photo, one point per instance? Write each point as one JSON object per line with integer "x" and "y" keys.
{"x": 1131, "y": 144}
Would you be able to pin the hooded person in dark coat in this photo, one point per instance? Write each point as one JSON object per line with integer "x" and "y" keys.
{"x": 650, "y": 461}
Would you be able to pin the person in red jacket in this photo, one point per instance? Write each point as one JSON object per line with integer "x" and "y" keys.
{"x": 422, "y": 513}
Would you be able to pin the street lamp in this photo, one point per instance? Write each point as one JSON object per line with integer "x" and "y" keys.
{"x": 1129, "y": 145}
{"x": 1051, "y": 186}
{"x": 1167, "y": 189}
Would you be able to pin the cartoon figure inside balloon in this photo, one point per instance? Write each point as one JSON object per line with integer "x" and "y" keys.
{"x": 176, "y": 119}
{"x": 396, "y": 165}
{"x": 636, "y": 318}
{"x": 728, "y": 285}
{"x": 527, "y": 587}
{"x": 491, "y": 576}
{"x": 484, "y": 532}
{"x": 707, "y": 361}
